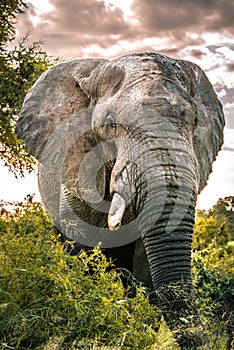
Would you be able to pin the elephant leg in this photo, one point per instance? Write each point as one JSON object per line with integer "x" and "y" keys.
{"x": 71, "y": 247}
{"x": 122, "y": 258}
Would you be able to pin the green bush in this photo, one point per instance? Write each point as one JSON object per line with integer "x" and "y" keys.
{"x": 213, "y": 271}
{"x": 48, "y": 294}
{"x": 52, "y": 300}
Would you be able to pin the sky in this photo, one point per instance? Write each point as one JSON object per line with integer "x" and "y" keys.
{"x": 196, "y": 30}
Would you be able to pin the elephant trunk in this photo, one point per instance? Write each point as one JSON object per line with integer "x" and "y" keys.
{"x": 165, "y": 198}
{"x": 167, "y": 227}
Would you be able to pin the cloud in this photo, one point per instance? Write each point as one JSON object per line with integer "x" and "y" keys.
{"x": 220, "y": 183}
{"x": 164, "y": 16}
{"x": 197, "y": 53}
{"x": 72, "y": 27}
{"x": 92, "y": 17}
{"x": 230, "y": 67}
{"x": 228, "y": 140}
{"x": 228, "y": 104}
{"x": 183, "y": 15}
{"x": 24, "y": 23}
{"x": 227, "y": 148}
{"x": 221, "y": 93}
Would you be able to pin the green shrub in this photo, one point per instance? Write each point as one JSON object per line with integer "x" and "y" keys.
{"x": 46, "y": 293}
{"x": 213, "y": 272}
{"x": 50, "y": 299}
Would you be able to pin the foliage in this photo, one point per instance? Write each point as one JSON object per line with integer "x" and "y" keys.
{"x": 225, "y": 208}
{"x": 216, "y": 226}
{"x": 19, "y": 69}
{"x": 47, "y": 293}
{"x": 49, "y": 298}
{"x": 8, "y": 11}
{"x": 213, "y": 267}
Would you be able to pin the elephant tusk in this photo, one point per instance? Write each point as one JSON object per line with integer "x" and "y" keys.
{"x": 116, "y": 212}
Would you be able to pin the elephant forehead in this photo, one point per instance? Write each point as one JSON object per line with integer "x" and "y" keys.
{"x": 150, "y": 67}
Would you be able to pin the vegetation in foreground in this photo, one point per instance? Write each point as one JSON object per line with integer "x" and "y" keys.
{"x": 51, "y": 300}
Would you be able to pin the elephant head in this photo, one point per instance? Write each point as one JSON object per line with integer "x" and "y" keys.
{"x": 124, "y": 148}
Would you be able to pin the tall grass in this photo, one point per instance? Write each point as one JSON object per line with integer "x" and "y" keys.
{"x": 52, "y": 300}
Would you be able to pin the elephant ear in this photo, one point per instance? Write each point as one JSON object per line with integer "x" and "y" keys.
{"x": 208, "y": 135}
{"x": 53, "y": 98}
{"x": 55, "y": 121}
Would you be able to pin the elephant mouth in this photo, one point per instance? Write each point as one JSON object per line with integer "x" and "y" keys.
{"x": 116, "y": 212}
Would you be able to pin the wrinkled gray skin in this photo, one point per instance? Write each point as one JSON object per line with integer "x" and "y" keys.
{"x": 152, "y": 126}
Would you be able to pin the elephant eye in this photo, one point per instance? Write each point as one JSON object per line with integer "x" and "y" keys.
{"x": 110, "y": 121}
{"x": 109, "y": 127}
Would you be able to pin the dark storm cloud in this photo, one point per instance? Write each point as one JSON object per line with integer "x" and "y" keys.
{"x": 160, "y": 16}
{"x": 227, "y": 148}
{"x": 91, "y": 17}
{"x": 80, "y": 27}
{"x": 230, "y": 67}
{"x": 197, "y": 53}
{"x": 171, "y": 15}
{"x": 77, "y": 24}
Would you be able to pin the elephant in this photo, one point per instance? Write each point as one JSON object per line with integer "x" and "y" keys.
{"x": 124, "y": 147}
